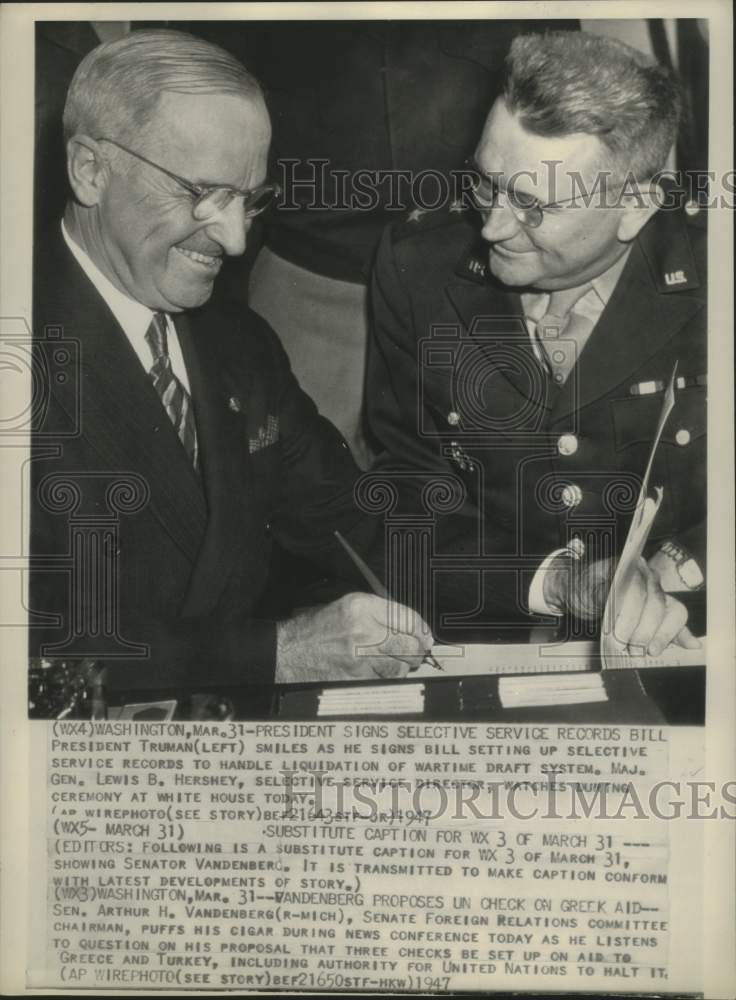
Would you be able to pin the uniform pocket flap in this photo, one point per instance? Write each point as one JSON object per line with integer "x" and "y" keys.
{"x": 635, "y": 419}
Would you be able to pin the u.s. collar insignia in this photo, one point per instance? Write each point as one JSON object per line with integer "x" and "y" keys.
{"x": 675, "y": 278}
{"x": 678, "y": 279}
{"x": 474, "y": 267}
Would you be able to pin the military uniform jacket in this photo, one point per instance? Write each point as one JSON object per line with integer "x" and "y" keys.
{"x": 455, "y": 389}
{"x": 131, "y": 547}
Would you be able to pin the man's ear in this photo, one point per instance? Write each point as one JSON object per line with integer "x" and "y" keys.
{"x": 88, "y": 171}
{"x": 638, "y": 202}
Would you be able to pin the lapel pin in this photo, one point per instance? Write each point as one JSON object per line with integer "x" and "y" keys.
{"x": 235, "y": 404}
{"x": 453, "y": 418}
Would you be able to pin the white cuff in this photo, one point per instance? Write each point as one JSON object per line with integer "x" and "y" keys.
{"x": 537, "y": 603}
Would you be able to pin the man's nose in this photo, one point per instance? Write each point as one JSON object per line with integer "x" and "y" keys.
{"x": 230, "y": 228}
{"x": 499, "y": 223}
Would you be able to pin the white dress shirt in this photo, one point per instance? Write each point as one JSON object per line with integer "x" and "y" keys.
{"x": 590, "y": 305}
{"x": 133, "y": 318}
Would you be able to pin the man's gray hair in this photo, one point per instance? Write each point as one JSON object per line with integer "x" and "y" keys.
{"x": 117, "y": 86}
{"x": 567, "y": 82}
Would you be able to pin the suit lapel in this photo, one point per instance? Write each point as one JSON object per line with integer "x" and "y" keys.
{"x": 220, "y": 395}
{"x": 122, "y": 416}
{"x": 636, "y": 323}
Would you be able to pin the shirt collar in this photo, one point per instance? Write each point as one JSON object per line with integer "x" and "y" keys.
{"x": 593, "y": 302}
{"x": 132, "y": 316}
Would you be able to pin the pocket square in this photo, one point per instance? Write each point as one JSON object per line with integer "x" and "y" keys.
{"x": 266, "y": 435}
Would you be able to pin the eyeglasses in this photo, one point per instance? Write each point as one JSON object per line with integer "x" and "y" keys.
{"x": 527, "y": 209}
{"x": 209, "y": 200}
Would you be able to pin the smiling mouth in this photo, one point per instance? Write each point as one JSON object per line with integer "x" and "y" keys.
{"x": 205, "y": 259}
{"x": 500, "y": 248}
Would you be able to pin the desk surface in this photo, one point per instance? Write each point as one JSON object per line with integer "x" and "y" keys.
{"x": 659, "y": 696}
{"x": 656, "y": 696}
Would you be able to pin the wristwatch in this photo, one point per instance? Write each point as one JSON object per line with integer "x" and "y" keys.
{"x": 686, "y": 567}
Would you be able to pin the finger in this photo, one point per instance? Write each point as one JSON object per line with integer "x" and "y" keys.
{"x": 390, "y": 669}
{"x": 410, "y": 622}
{"x": 404, "y": 647}
{"x": 671, "y": 625}
{"x": 687, "y": 640}
{"x": 367, "y": 668}
{"x": 654, "y": 615}
{"x": 400, "y": 619}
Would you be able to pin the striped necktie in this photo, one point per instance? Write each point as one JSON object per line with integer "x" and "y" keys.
{"x": 563, "y": 332}
{"x": 173, "y": 395}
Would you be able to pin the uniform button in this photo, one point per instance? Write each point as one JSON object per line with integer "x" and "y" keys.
{"x": 692, "y": 208}
{"x": 572, "y": 495}
{"x": 567, "y": 444}
{"x": 683, "y": 436}
{"x": 453, "y": 418}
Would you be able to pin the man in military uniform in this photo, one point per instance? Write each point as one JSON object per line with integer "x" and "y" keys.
{"x": 530, "y": 358}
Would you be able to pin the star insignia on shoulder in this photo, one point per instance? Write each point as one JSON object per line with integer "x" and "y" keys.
{"x": 416, "y": 214}
{"x": 457, "y": 206}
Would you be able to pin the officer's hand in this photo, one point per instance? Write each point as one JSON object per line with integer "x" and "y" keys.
{"x": 577, "y": 588}
{"x": 324, "y": 644}
{"x": 650, "y": 619}
{"x": 647, "y": 620}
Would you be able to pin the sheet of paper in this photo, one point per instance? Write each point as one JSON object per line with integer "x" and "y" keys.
{"x": 614, "y": 653}
{"x": 395, "y": 699}
{"x": 523, "y": 692}
{"x": 545, "y": 658}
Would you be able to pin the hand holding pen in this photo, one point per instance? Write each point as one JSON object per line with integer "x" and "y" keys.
{"x": 376, "y": 586}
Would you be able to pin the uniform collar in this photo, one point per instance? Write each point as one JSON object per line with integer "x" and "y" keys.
{"x": 666, "y": 246}
{"x": 605, "y": 283}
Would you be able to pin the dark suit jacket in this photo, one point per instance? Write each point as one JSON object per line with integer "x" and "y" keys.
{"x": 181, "y": 560}
{"x": 453, "y": 383}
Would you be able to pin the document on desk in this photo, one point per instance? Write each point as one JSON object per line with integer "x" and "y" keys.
{"x": 615, "y": 655}
{"x": 390, "y": 699}
{"x": 544, "y": 658}
{"x": 567, "y": 689}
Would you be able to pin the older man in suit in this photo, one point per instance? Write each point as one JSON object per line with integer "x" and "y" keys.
{"x": 182, "y": 423}
{"x": 527, "y": 356}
